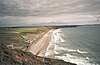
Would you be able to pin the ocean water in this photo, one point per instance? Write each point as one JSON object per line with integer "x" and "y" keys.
{"x": 80, "y": 45}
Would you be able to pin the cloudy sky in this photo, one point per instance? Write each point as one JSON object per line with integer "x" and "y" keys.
{"x": 37, "y": 11}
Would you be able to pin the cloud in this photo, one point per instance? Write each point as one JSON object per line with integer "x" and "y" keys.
{"x": 48, "y": 7}
{"x": 24, "y": 11}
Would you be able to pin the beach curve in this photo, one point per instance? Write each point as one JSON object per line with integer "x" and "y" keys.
{"x": 39, "y": 48}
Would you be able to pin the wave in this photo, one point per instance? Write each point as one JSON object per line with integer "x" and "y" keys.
{"x": 55, "y": 40}
{"x": 55, "y": 50}
{"x": 77, "y": 60}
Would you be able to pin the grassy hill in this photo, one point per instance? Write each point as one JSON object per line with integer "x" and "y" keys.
{"x": 10, "y": 56}
{"x": 14, "y": 43}
{"x": 21, "y": 37}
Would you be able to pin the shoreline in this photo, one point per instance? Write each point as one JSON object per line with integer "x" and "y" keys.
{"x": 20, "y": 54}
{"x": 40, "y": 47}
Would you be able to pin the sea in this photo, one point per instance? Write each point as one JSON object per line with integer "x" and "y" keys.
{"x": 79, "y": 45}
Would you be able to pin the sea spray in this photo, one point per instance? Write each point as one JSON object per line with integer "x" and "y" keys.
{"x": 61, "y": 47}
{"x": 55, "y": 40}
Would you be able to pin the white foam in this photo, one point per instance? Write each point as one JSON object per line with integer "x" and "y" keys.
{"x": 81, "y": 51}
{"x": 87, "y": 58}
{"x": 63, "y": 58}
{"x": 49, "y": 52}
{"x": 71, "y": 50}
{"x": 57, "y": 47}
{"x": 62, "y": 40}
{"x": 75, "y": 59}
{"x": 55, "y": 40}
{"x": 56, "y": 52}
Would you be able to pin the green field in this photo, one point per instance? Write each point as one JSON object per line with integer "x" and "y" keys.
{"x": 21, "y": 37}
{"x": 18, "y": 37}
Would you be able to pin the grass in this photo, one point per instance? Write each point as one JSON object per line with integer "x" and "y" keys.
{"x": 18, "y": 57}
{"x": 19, "y": 36}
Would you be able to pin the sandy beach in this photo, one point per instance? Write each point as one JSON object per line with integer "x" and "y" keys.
{"x": 39, "y": 48}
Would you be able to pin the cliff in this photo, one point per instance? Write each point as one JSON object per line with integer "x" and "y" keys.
{"x": 10, "y": 56}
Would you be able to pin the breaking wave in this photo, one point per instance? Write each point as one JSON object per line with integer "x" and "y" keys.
{"x": 55, "y": 50}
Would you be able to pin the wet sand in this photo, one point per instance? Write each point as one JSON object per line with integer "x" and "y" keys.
{"x": 39, "y": 48}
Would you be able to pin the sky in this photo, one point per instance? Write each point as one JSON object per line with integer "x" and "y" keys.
{"x": 17, "y": 12}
